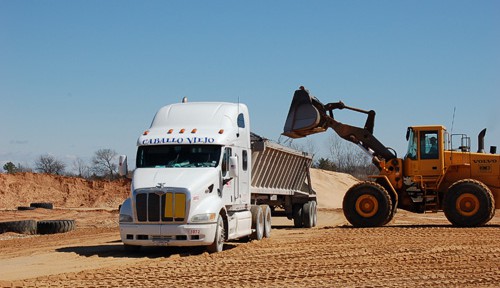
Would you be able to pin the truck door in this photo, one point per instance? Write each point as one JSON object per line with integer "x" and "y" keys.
{"x": 244, "y": 178}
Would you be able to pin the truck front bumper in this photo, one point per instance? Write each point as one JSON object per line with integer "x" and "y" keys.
{"x": 167, "y": 234}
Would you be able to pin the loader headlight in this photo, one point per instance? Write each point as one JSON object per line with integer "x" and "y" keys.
{"x": 125, "y": 218}
{"x": 206, "y": 217}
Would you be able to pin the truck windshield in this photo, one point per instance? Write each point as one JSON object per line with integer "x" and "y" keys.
{"x": 167, "y": 156}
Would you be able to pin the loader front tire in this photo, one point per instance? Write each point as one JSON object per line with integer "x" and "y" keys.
{"x": 468, "y": 203}
{"x": 367, "y": 204}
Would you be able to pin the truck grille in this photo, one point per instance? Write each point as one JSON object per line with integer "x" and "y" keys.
{"x": 161, "y": 207}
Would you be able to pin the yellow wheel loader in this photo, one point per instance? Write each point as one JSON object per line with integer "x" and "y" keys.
{"x": 432, "y": 176}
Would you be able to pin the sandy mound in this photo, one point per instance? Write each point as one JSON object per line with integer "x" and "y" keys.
{"x": 331, "y": 187}
{"x": 21, "y": 189}
{"x": 69, "y": 192}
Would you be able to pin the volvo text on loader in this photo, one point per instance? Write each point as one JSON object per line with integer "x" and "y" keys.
{"x": 432, "y": 176}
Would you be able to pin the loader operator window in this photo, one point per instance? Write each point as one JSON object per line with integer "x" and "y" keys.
{"x": 412, "y": 145}
{"x": 429, "y": 145}
{"x": 178, "y": 156}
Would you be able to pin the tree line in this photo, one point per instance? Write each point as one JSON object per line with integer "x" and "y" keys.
{"x": 102, "y": 166}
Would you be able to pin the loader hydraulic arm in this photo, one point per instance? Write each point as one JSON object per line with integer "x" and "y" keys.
{"x": 307, "y": 115}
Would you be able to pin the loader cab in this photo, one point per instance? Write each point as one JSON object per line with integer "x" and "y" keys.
{"x": 425, "y": 151}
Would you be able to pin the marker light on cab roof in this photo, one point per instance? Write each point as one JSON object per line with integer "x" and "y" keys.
{"x": 145, "y": 132}
{"x": 170, "y": 131}
{"x": 221, "y": 131}
{"x": 182, "y": 130}
{"x": 194, "y": 130}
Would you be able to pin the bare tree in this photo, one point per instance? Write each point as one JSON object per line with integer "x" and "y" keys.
{"x": 348, "y": 158}
{"x": 49, "y": 164}
{"x": 104, "y": 163}
{"x": 82, "y": 168}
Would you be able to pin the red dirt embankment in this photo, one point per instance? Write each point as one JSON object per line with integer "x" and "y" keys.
{"x": 21, "y": 189}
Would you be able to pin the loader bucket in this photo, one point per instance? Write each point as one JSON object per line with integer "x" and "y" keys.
{"x": 303, "y": 117}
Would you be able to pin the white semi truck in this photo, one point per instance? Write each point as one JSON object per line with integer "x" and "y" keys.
{"x": 202, "y": 178}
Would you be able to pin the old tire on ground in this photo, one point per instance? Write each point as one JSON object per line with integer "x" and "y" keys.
{"x": 218, "y": 244}
{"x": 468, "y": 203}
{"x": 307, "y": 214}
{"x": 257, "y": 223}
{"x": 21, "y": 227}
{"x": 25, "y": 208}
{"x": 55, "y": 226}
{"x": 297, "y": 216}
{"x": 266, "y": 211}
{"x": 367, "y": 204}
{"x": 45, "y": 205}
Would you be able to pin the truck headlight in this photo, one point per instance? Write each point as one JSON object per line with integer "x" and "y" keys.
{"x": 125, "y": 218}
{"x": 206, "y": 217}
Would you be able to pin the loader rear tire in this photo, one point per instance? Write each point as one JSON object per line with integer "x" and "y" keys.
{"x": 468, "y": 203}
{"x": 367, "y": 204}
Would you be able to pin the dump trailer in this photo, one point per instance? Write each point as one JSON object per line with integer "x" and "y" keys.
{"x": 202, "y": 178}
{"x": 439, "y": 171}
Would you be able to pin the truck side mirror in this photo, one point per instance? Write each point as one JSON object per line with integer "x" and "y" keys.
{"x": 122, "y": 165}
{"x": 233, "y": 167}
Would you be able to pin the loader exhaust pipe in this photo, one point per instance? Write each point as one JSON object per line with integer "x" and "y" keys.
{"x": 480, "y": 141}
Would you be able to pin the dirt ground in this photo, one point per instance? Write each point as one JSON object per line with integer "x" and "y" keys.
{"x": 413, "y": 250}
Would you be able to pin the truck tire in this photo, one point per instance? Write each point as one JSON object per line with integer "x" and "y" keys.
{"x": 55, "y": 226}
{"x": 315, "y": 213}
{"x": 257, "y": 223}
{"x": 468, "y": 203}
{"x": 131, "y": 248}
{"x": 45, "y": 205}
{"x": 367, "y": 204}
{"x": 297, "y": 216}
{"x": 266, "y": 211}
{"x": 218, "y": 244}
{"x": 307, "y": 214}
{"x": 21, "y": 227}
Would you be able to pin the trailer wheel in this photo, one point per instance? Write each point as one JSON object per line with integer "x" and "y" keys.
{"x": 468, "y": 203}
{"x": 315, "y": 213}
{"x": 266, "y": 211}
{"x": 307, "y": 214}
{"x": 367, "y": 204}
{"x": 257, "y": 222}
{"x": 297, "y": 216}
{"x": 21, "y": 227}
{"x": 218, "y": 244}
{"x": 55, "y": 226}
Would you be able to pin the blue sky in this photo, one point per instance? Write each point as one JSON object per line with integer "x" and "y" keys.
{"x": 77, "y": 76}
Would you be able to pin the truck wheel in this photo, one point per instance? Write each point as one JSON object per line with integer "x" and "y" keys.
{"x": 55, "y": 226}
{"x": 21, "y": 227}
{"x": 257, "y": 223}
{"x": 297, "y": 216}
{"x": 307, "y": 214}
{"x": 218, "y": 244}
{"x": 315, "y": 213}
{"x": 266, "y": 211}
{"x": 468, "y": 203}
{"x": 367, "y": 204}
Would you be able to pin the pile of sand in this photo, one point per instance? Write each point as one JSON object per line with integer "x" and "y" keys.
{"x": 21, "y": 189}
{"x": 331, "y": 187}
